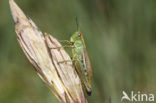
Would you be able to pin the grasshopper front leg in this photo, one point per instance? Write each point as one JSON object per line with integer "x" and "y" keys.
{"x": 70, "y": 45}
{"x": 66, "y": 46}
{"x": 67, "y": 41}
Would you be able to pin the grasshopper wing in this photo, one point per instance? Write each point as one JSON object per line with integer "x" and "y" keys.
{"x": 87, "y": 63}
{"x": 88, "y": 71}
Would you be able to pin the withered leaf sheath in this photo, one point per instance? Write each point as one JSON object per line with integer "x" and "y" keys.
{"x": 60, "y": 77}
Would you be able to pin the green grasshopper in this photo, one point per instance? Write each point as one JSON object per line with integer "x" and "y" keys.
{"x": 80, "y": 59}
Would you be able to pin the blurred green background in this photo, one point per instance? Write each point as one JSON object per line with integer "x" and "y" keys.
{"x": 120, "y": 36}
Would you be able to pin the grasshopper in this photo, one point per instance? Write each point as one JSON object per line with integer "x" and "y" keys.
{"x": 80, "y": 59}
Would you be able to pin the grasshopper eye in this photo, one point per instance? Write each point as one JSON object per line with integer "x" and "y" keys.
{"x": 79, "y": 34}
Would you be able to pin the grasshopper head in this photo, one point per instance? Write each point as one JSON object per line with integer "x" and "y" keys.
{"x": 76, "y": 36}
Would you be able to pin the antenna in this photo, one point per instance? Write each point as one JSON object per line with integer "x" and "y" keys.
{"x": 77, "y": 25}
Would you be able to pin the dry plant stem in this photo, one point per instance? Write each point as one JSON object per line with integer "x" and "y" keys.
{"x": 60, "y": 77}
